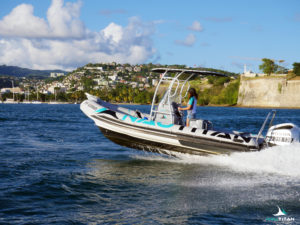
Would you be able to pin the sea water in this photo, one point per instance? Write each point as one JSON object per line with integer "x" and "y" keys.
{"x": 56, "y": 167}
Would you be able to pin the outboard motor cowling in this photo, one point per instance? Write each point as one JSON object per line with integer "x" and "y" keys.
{"x": 283, "y": 134}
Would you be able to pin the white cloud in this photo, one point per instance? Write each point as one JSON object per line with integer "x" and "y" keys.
{"x": 196, "y": 26}
{"x": 188, "y": 41}
{"x": 63, "y": 41}
{"x": 113, "y": 32}
{"x": 64, "y": 20}
{"x": 22, "y": 22}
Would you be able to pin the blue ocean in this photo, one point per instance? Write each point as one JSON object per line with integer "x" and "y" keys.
{"x": 56, "y": 167}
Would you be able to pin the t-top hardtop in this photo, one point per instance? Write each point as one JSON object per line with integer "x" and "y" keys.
{"x": 174, "y": 84}
{"x": 188, "y": 71}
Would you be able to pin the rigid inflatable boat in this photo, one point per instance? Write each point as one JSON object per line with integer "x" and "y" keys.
{"x": 163, "y": 130}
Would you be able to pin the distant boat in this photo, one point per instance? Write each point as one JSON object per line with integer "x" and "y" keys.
{"x": 53, "y": 103}
{"x": 26, "y": 100}
{"x": 10, "y": 101}
{"x": 36, "y": 102}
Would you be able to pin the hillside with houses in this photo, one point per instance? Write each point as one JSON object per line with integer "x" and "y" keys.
{"x": 125, "y": 83}
{"x": 120, "y": 83}
{"x": 103, "y": 77}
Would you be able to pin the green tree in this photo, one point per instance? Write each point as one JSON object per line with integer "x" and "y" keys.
{"x": 281, "y": 69}
{"x": 268, "y": 66}
{"x": 149, "y": 96}
{"x": 211, "y": 79}
{"x": 221, "y": 80}
{"x": 88, "y": 83}
{"x": 296, "y": 68}
{"x": 124, "y": 91}
{"x": 230, "y": 93}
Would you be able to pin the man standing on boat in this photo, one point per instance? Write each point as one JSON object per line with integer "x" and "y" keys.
{"x": 191, "y": 106}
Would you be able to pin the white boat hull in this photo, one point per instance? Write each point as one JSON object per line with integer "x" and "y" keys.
{"x": 130, "y": 131}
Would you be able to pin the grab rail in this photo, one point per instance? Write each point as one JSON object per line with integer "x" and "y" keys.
{"x": 271, "y": 122}
{"x": 264, "y": 124}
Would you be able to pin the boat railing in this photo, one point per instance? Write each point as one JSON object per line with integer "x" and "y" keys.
{"x": 171, "y": 86}
{"x": 155, "y": 94}
{"x": 264, "y": 124}
{"x": 176, "y": 86}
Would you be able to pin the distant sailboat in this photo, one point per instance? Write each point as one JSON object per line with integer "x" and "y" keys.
{"x": 26, "y": 101}
{"x": 11, "y": 100}
{"x": 55, "y": 102}
{"x": 37, "y": 97}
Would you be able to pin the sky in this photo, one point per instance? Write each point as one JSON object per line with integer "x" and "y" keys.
{"x": 66, "y": 34}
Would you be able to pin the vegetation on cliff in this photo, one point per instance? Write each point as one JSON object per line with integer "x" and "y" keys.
{"x": 269, "y": 67}
{"x": 296, "y": 68}
{"x": 222, "y": 92}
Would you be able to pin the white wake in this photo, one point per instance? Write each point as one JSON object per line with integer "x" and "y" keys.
{"x": 281, "y": 160}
